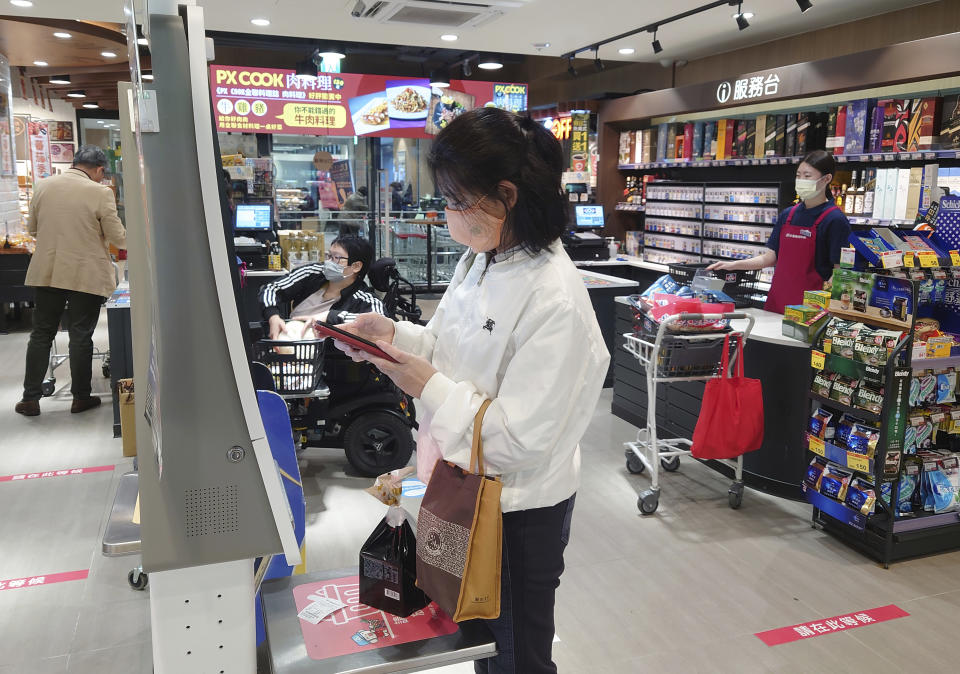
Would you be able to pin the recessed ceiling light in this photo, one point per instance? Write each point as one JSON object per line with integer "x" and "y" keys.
{"x": 147, "y": 76}
{"x": 59, "y": 79}
{"x": 626, "y": 51}
{"x": 40, "y": 63}
{"x": 745, "y": 15}
{"x": 21, "y": 3}
{"x": 100, "y": 121}
{"x": 90, "y": 106}
{"x": 449, "y": 37}
{"x": 333, "y": 54}
{"x": 142, "y": 41}
{"x": 78, "y": 93}
{"x": 541, "y": 45}
{"x": 260, "y": 22}
{"x": 63, "y": 36}
{"x": 490, "y": 64}
{"x": 108, "y": 54}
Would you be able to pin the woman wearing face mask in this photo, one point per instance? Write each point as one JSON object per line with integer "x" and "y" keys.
{"x": 806, "y": 241}
{"x": 515, "y": 326}
{"x": 333, "y": 291}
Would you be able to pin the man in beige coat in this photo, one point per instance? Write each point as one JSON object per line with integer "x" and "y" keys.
{"x": 74, "y": 217}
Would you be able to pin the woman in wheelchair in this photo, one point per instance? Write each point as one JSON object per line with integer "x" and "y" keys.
{"x": 334, "y": 291}
{"x": 364, "y": 412}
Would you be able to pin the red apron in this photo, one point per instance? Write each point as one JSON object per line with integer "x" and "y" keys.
{"x": 796, "y": 269}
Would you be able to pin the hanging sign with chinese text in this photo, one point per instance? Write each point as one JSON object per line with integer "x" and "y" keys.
{"x": 267, "y": 100}
{"x": 745, "y": 89}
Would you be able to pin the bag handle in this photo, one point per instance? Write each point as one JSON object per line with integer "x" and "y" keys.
{"x": 476, "y": 451}
{"x": 725, "y": 359}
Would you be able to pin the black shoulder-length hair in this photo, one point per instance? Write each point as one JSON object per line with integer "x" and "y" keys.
{"x": 481, "y": 148}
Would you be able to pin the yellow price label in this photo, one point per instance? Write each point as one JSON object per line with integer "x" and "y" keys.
{"x": 907, "y": 259}
{"x": 817, "y": 359}
{"x": 817, "y": 446}
{"x": 858, "y": 462}
{"x": 928, "y": 259}
{"x": 955, "y": 258}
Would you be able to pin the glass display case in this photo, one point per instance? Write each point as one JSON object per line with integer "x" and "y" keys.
{"x": 425, "y": 253}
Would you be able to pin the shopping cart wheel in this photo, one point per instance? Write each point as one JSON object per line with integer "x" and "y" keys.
{"x": 106, "y": 370}
{"x": 735, "y": 495}
{"x": 634, "y": 464}
{"x": 48, "y": 386}
{"x": 138, "y": 579}
{"x": 648, "y": 502}
{"x": 671, "y": 464}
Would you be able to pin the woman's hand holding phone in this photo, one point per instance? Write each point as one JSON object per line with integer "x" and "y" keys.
{"x": 372, "y": 327}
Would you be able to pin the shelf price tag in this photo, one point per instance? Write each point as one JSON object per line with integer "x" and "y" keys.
{"x": 817, "y": 359}
{"x": 908, "y": 259}
{"x": 891, "y": 259}
{"x": 858, "y": 462}
{"x": 928, "y": 259}
{"x": 955, "y": 258}
{"x": 817, "y": 446}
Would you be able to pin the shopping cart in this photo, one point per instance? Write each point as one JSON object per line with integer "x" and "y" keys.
{"x": 668, "y": 355}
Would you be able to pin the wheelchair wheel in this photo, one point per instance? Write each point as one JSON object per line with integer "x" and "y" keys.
{"x": 377, "y": 442}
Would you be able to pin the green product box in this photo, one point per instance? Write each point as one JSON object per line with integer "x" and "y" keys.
{"x": 800, "y": 313}
{"x": 806, "y": 331}
{"x": 817, "y": 298}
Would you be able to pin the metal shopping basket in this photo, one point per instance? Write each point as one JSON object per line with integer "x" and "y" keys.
{"x": 668, "y": 355}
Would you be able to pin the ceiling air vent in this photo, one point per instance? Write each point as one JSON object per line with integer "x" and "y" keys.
{"x": 437, "y": 12}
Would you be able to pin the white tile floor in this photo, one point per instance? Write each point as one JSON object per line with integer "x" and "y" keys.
{"x": 681, "y": 591}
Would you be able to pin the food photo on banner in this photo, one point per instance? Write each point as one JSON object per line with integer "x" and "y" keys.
{"x": 268, "y": 100}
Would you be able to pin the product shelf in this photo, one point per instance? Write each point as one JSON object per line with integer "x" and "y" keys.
{"x": 873, "y": 320}
{"x": 872, "y": 374}
{"x": 630, "y": 208}
{"x": 855, "y": 411}
{"x": 923, "y": 521}
{"x": 674, "y": 217}
{"x": 672, "y": 250}
{"x": 673, "y": 201}
{"x": 840, "y": 456}
{"x": 742, "y": 203}
{"x": 657, "y": 232}
{"x": 873, "y": 157}
{"x": 835, "y": 509}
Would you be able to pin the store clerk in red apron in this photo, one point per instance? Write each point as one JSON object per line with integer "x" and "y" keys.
{"x": 806, "y": 241}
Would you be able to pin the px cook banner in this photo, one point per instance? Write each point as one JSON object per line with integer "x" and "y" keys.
{"x": 267, "y": 100}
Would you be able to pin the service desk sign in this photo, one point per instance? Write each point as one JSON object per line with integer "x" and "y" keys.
{"x": 267, "y": 100}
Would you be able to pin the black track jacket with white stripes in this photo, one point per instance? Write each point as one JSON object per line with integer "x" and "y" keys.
{"x": 301, "y": 283}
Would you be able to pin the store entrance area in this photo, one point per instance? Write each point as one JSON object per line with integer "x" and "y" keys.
{"x": 683, "y": 591}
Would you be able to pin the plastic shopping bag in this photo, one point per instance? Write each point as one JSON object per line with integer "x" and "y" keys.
{"x": 388, "y": 566}
{"x": 731, "y": 416}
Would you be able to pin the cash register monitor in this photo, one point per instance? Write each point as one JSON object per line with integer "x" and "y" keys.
{"x": 253, "y": 218}
{"x": 589, "y": 216}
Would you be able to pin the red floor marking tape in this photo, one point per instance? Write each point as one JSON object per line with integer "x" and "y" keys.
{"x": 55, "y": 473}
{"x": 785, "y": 635}
{"x": 33, "y": 581}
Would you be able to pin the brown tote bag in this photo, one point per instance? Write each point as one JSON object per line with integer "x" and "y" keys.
{"x": 459, "y": 536}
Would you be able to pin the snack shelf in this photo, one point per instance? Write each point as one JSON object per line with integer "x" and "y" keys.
{"x": 871, "y": 320}
{"x": 855, "y": 411}
{"x": 835, "y": 509}
{"x": 842, "y": 457}
{"x": 872, "y": 374}
{"x": 873, "y": 157}
{"x": 926, "y": 521}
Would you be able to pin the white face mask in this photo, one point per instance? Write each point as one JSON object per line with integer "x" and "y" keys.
{"x": 807, "y": 188}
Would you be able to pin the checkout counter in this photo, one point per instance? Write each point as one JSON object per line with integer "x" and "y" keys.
{"x": 780, "y": 363}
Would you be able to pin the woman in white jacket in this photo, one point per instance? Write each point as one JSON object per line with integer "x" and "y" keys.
{"x": 515, "y": 326}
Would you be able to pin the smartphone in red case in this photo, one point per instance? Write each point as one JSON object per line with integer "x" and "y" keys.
{"x": 352, "y": 340}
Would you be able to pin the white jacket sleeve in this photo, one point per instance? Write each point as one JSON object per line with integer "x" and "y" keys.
{"x": 558, "y": 366}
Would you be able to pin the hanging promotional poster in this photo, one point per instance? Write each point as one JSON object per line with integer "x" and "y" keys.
{"x": 267, "y": 100}
{"x": 39, "y": 150}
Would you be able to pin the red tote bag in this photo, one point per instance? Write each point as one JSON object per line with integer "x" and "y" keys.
{"x": 731, "y": 417}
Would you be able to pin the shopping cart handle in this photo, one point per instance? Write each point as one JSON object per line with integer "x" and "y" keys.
{"x": 710, "y": 317}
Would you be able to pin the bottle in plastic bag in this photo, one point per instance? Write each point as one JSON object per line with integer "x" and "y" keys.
{"x": 388, "y": 566}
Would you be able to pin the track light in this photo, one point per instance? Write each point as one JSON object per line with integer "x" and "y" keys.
{"x": 804, "y": 5}
{"x": 570, "y": 68}
{"x": 657, "y": 48}
{"x": 596, "y": 60}
{"x": 742, "y": 22}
